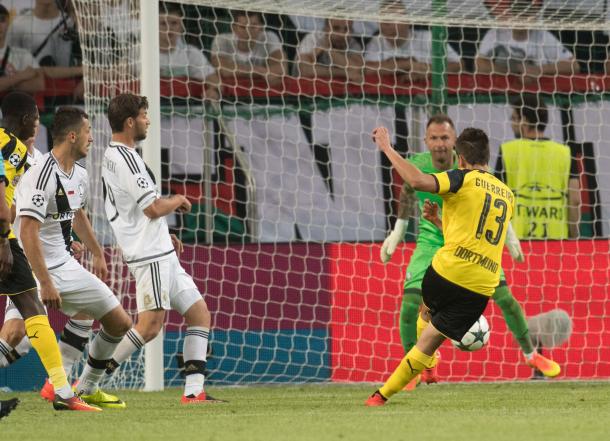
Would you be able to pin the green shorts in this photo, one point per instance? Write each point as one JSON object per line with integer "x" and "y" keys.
{"x": 419, "y": 263}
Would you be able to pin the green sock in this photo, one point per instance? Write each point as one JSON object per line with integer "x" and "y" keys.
{"x": 409, "y": 311}
{"x": 514, "y": 317}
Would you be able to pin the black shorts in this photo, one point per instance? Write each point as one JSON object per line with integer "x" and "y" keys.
{"x": 21, "y": 278}
{"x": 453, "y": 309}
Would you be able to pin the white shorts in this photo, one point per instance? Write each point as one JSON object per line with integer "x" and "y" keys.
{"x": 80, "y": 291}
{"x": 164, "y": 284}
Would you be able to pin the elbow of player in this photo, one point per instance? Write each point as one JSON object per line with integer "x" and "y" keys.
{"x": 152, "y": 211}
{"x": 417, "y": 182}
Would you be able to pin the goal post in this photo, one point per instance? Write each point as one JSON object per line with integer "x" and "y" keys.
{"x": 291, "y": 199}
{"x": 150, "y": 87}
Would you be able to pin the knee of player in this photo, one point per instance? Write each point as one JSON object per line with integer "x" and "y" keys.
{"x": 124, "y": 325}
{"x": 150, "y": 329}
{"x": 410, "y": 307}
{"x": 504, "y": 298}
{"x": 198, "y": 315}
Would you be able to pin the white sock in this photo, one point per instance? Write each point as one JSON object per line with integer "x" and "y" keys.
{"x": 8, "y": 354}
{"x": 65, "y": 392}
{"x": 24, "y": 346}
{"x": 130, "y": 343}
{"x": 73, "y": 341}
{"x": 101, "y": 350}
{"x": 195, "y": 350}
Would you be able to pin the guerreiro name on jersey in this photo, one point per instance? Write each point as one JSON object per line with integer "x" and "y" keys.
{"x": 476, "y": 210}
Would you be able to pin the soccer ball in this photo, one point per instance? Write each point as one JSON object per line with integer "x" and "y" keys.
{"x": 476, "y": 337}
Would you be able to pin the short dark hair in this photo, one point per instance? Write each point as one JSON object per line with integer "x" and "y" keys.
{"x": 473, "y": 146}
{"x": 532, "y": 108}
{"x": 122, "y": 107}
{"x": 440, "y": 118}
{"x": 16, "y": 105}
{"x": 236, "y": 13}
{"x": 66, "y": 120}
{"x": 171, "y": 8}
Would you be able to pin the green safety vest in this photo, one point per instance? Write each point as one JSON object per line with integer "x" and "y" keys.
{"x": 538, "y": 171}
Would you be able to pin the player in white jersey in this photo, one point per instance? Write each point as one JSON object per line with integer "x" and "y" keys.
{"x": 14, "y": 344}
{"x": 50, "y": 202}
{"x": 137, "y": 215}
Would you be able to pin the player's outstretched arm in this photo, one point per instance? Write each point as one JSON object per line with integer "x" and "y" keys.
{"x": 163, "y": 206}
{"x": 411, "y": 174}
{"x": 84, "y": 230}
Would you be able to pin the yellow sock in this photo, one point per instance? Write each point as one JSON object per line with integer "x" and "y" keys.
{"x": 414, "y": 362}
{"x": 43, "y": 340}
{"x": 421, "y": 325}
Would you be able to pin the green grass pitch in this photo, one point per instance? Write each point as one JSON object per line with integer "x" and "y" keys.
{"x": 534, "y": 411}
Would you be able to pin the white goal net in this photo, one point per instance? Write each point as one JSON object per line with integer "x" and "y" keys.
{"x": 266, "y": 123}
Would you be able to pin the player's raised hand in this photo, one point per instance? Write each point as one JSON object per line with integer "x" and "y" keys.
{"x": 99, "y": 267}
{"x": 49, "y": 295}
{"x": 381, "y": 136}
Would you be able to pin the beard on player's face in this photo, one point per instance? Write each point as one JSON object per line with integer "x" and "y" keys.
{"x": 140, "y": 134}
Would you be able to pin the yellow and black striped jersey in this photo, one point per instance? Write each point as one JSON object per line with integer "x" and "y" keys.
{"x": 15, "y": 155}
{"x": 476, "y": 210}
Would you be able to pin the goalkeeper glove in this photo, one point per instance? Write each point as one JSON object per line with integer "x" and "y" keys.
{"x": 513, "y": 245}
{"x": 391, "y": 242}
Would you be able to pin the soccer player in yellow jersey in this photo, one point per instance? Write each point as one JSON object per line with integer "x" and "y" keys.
{"x": 466, "y": 270}
{"x": 19, "y": 120}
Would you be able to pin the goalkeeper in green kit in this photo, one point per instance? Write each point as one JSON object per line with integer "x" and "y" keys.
{"x": 440, "y": 140}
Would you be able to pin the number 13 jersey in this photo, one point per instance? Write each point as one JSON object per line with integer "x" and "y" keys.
{"x": 477, "y": 208}
{"x": 129, "y": 188}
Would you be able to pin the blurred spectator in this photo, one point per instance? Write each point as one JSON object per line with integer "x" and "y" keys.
{"x": 44, "y": 31}
{"x": 330, "y": 53}
{"x": 542, "y": 174}
{"x": 401, "y": 49}
{"x": 249, "y": 51}
{"x": 303, "y": 24}
{"x": 16, "y": 7}
{"x": 18, "y": 68}
{"x": 179, "y": 59}
{"x": 529, "y": 53}
{"x": 48, "y": 31}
